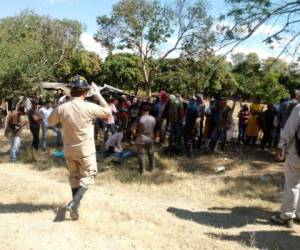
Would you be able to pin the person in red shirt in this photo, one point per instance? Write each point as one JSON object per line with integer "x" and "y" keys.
{"x": 122, "y": 115}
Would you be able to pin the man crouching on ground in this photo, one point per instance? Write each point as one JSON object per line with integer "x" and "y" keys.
{"x": 76, "y": 118}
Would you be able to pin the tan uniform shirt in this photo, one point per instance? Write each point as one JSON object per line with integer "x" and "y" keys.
{"x": 287, "y": 137}
{"x": 76, "y": 118}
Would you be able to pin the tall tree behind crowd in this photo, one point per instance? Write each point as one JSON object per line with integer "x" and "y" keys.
{"x": 145, "y": 26}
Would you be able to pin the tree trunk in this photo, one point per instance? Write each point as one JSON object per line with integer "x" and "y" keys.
{"x": 148, "y": 89}
{"x": 147, "y": 84}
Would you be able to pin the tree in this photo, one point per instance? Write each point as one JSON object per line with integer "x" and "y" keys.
{"x": 122, "y": 70}
{"x": 80, "y": 62}
{"x": 144, "y": 26}
{"x": 221, "y": 81}
{"x": 246, "y": 70}
{"x": 291, "y": 79}
{"x": 31, "y": 48}
{"x": 270, "y": 90}
{"x": 251, "y": 15}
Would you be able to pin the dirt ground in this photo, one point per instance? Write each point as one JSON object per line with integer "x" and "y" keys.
{"x": 183, "y": 205}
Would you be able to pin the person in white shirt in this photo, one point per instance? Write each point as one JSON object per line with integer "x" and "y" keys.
{"x": 45, "y": 112}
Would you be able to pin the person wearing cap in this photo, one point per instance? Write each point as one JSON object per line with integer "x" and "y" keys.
{"x": 35, "y": 120}
{"x": 289, "y": 148}
{"x": 76, "y": 118}
{"x": 143, "y": 130}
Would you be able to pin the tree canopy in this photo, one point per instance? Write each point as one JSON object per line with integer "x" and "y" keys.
{"x": 38, "y": 48}
{"x": 144, "y": 26}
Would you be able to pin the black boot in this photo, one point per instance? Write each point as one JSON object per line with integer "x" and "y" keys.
{"x": 74, "y": 204}
{"x": 74, "y": 191}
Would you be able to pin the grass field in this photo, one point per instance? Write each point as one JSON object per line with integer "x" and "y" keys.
{"x": 182, "y": 205}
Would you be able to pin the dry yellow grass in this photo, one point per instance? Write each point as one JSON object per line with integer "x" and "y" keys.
{"x": 183, "y": 205}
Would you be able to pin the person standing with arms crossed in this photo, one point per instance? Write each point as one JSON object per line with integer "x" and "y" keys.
{"x": 76, "y": 118}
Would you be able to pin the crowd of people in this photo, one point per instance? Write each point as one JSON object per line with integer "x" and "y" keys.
{"x": 167, "y": 120}
{"x": 192, "y": 125}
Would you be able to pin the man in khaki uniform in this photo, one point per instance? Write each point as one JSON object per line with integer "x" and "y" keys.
{"x": 290, "y": 208}
{"x": 76, "y": 118}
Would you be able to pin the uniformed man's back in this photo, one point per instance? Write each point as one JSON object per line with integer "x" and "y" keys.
{"x": 76, "y": 117}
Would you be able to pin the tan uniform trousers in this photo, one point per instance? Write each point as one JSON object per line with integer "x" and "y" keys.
{"x": 291, "y": 200}
{"x": 82, "y": 171}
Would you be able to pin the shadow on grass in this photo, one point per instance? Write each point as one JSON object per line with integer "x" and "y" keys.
{"x": 24, "y": 208}
{"x": 224, "y": 217}
{"x": 277, "y": 240}
{"x": 267, "y": 187}
{"x": 236, "y": 155}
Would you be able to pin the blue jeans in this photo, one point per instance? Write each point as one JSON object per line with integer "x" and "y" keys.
{"x": 15, "y": 148}
{"x": 44, "y": 136}
{"x": 242, "y": 132}
{"x": 121, "y": 156}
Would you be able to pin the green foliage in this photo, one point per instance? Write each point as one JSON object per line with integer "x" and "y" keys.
{"x": 265, "y": 79}
{"x": 31, "y": 48}
{"x": 189, "y": 77}
{"x": 123, "y": 71}
{"x": 144, "y": 26}
{"x": 80, "y": 62}
{"x": 270, "y": 91}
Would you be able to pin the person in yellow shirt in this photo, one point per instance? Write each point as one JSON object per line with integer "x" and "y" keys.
{"x": 253, "y": 127}
{"x": 76, "y": 118}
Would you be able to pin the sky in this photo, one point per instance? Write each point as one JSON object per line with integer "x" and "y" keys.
{"x": 86, "y": 12}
